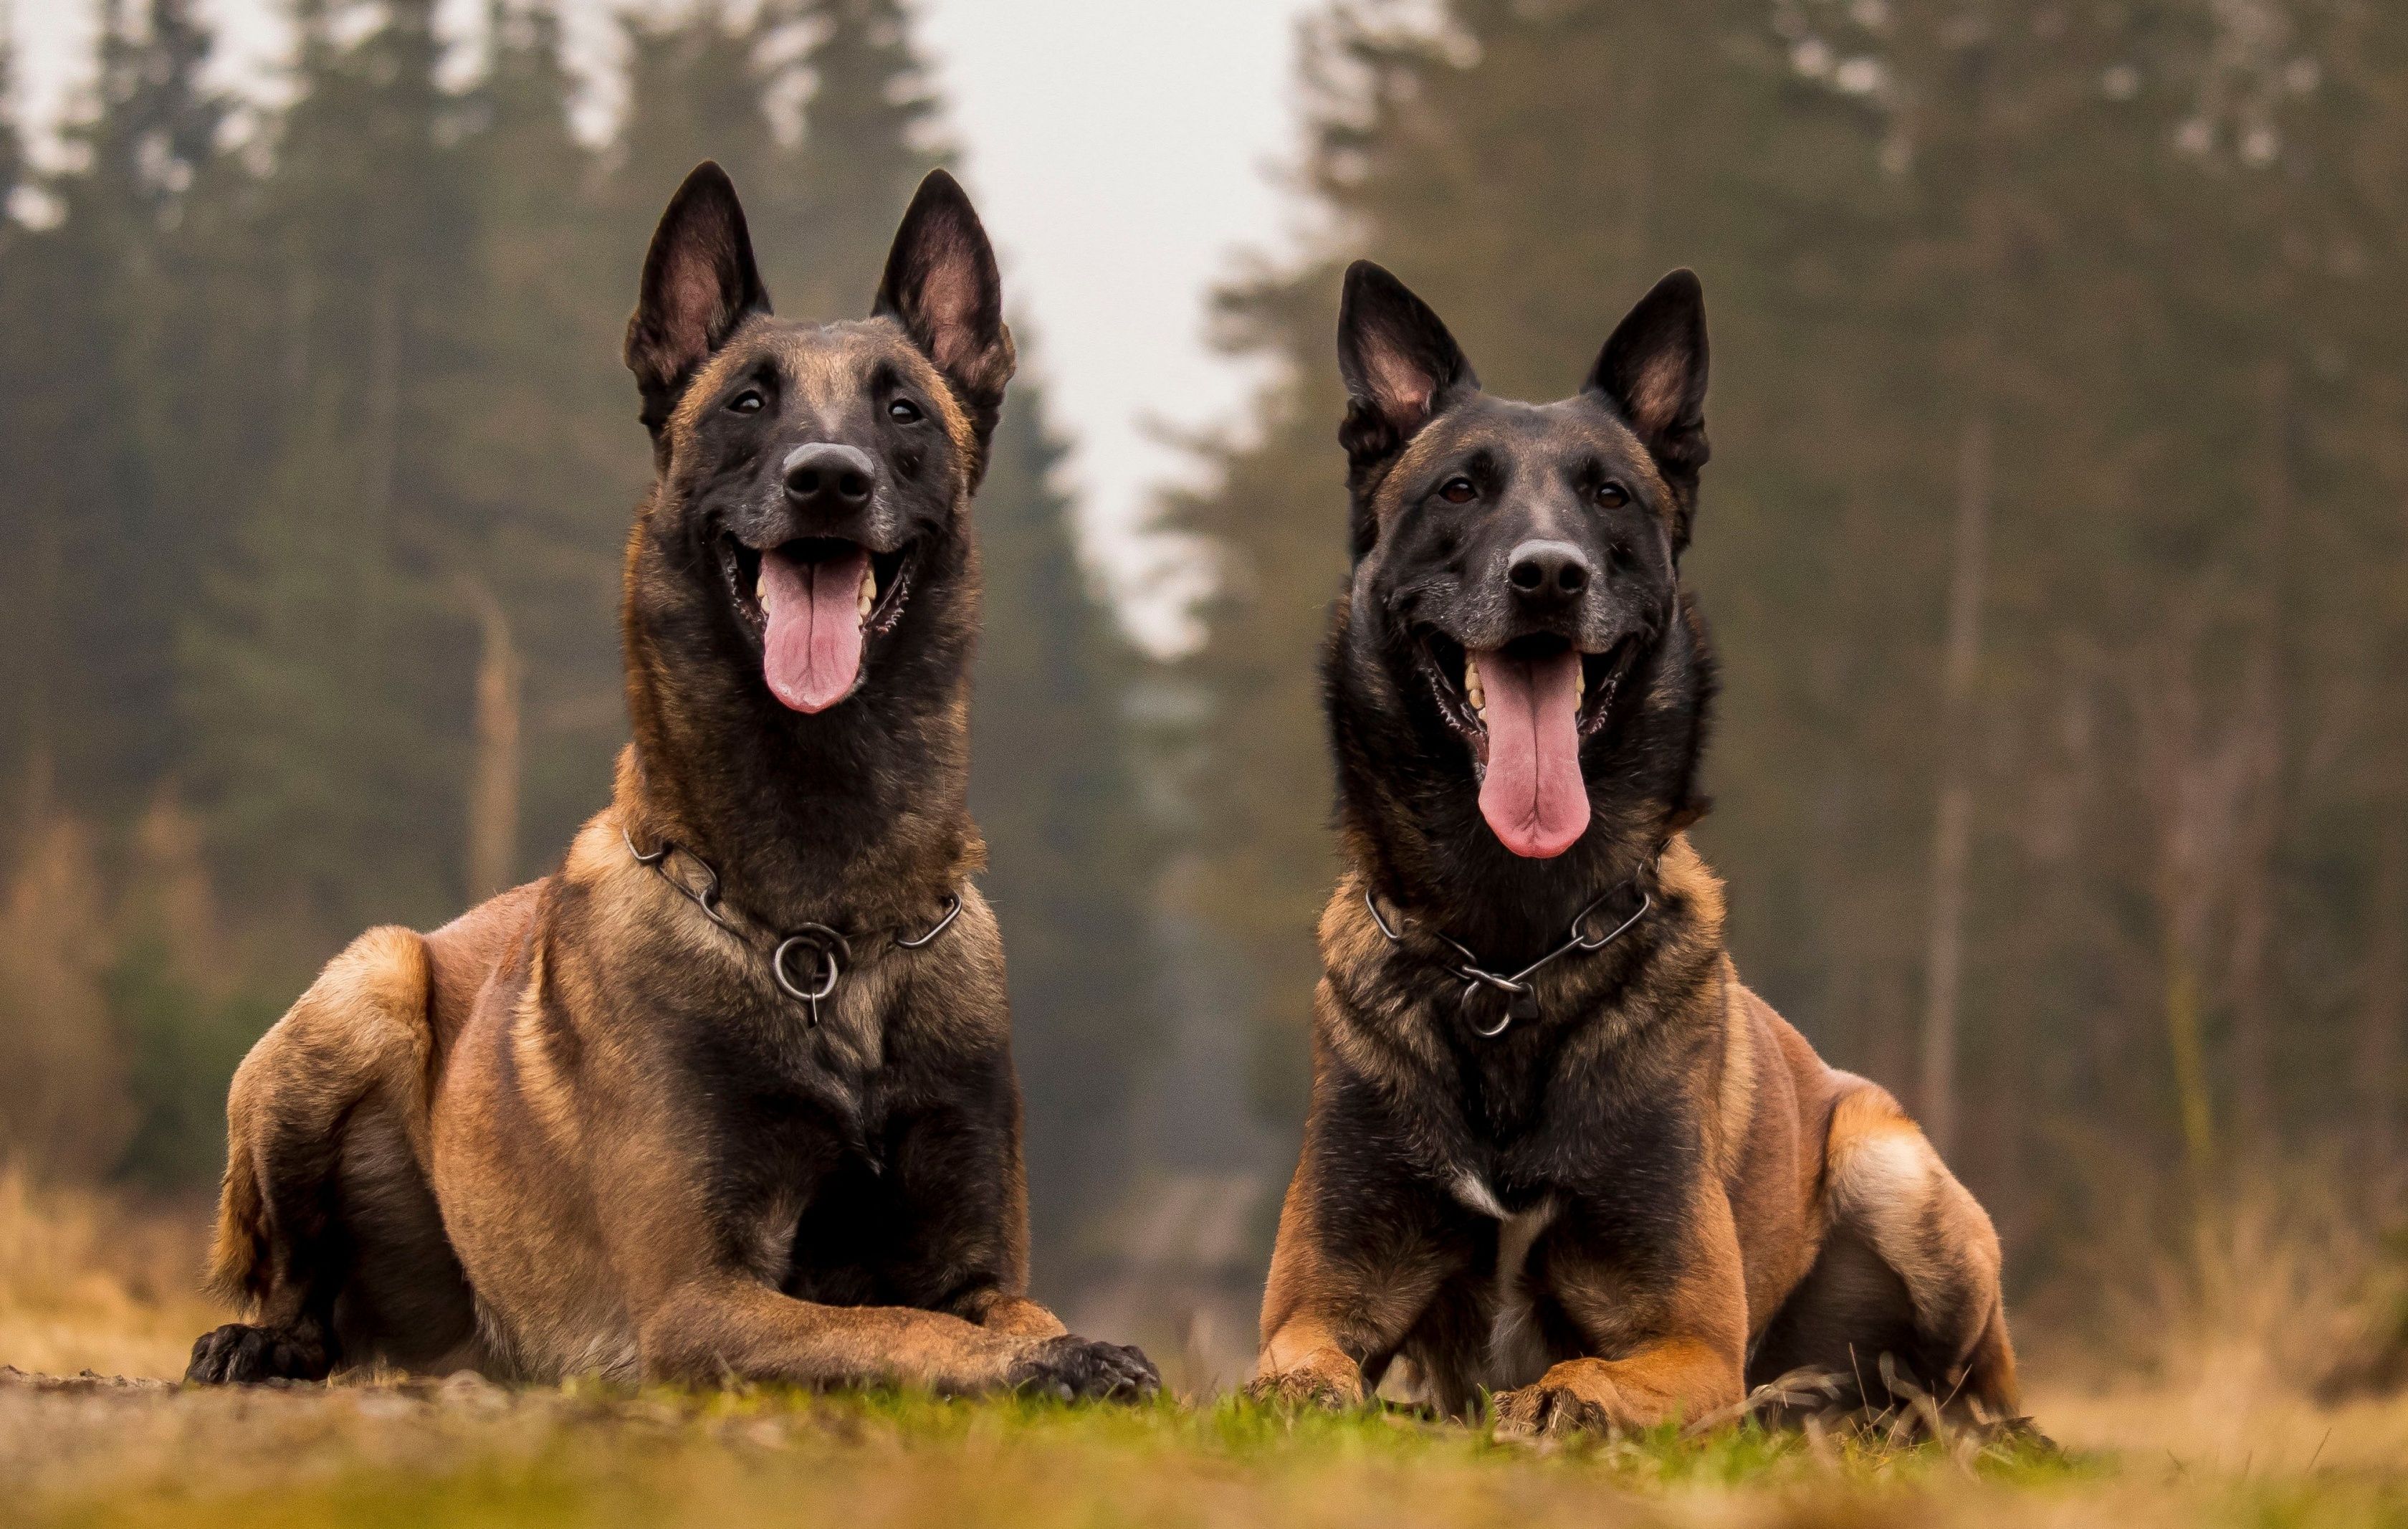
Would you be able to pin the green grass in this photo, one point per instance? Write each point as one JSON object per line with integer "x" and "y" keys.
{"x": 474, "y": 1455}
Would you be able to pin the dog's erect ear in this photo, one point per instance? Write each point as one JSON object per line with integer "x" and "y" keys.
{"x": 942, "y": 286}
{"x": 1400, "y": 365}
{"x": 699, "y": 283}
{"x": 1653, "y": 373}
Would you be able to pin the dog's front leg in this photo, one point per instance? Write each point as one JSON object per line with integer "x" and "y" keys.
{"x": 1016, "y": 1316}
{"x": 713, "y": 1330}
{"x": 963, "y": 1190}
{"x": 957, "y": 1169}
{"x": 1665, "y": 1382}
{"x": 1676, "y": 1350}
{"x": 1348, "y": 1281}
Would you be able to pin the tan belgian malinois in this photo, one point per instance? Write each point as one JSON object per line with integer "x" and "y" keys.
{"x": 730, "y": 1093}
{"x": 1556, "y": 1152}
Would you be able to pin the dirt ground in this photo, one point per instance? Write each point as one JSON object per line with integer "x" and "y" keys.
{"x": 87, "y": 1282}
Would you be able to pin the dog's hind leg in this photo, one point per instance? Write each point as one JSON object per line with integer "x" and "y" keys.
{"x": 1908, "y": 1268}
{"x": 327, "y": 1232}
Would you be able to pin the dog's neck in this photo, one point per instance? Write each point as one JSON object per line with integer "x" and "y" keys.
{"x": 1511, "y": 915}
{"x": 858, "y": 817}
{"x": 1409, "y": 802}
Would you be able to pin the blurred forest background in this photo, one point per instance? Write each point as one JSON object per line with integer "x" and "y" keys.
{"x": 2056, "y": 548}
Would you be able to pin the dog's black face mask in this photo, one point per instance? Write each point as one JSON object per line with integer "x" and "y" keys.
{"x": 1516, "y": 564}
{"x": 812, "y": 475}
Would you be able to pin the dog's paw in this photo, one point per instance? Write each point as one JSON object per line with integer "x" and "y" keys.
{"x": 1548, "y": 1406}
{"x": 1333, "y": 1386}
{"x": 1073, "y": 1368}
{"x": 239, "y": 1354}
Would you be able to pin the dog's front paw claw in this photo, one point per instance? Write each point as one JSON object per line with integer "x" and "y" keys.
{"x": 1072, "y": 1368}
{"x": 1530, "y": 1411}
{"x": 1305, "y": 1387}
{"x": 240, "y": 1354}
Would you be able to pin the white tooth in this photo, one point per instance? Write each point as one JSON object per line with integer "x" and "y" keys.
{"x": 1472, "y": 690}
{"x": 868, "y": 588}
{"x": 1580, "y": 683}
{"x": 760, "y": 588}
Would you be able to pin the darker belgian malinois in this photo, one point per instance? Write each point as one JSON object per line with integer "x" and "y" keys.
{"x": 730, "y": 1093}
{"x": 1557, "y": 1151}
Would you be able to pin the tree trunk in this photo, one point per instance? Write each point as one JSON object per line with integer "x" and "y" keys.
{"x": 493, "y": 773}
{"x": 382, "y": 435}
{"x": 2383, "y": 1013}
{"x": 1952, "y": 839}
{"x": 2261, "y": 804}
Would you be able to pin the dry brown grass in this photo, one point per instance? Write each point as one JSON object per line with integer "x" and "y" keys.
{"x": 90, "y": 1281}
{"x": 2211, "y": 1353}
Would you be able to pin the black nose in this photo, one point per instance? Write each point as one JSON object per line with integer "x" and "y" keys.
{"x": 827, "y": 476}
{"x": 1544, "y": 571}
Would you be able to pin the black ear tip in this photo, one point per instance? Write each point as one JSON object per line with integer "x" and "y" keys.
{"x": 707, "y": 187}
{"x": 1366, "y": 276}
{"x": 1681, "y": 285}
{"x": 704, "y": 178}
{"x": 941, "y": 193}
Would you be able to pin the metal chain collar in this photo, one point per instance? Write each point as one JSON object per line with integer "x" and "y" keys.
{"x": 829, "y": 950}
{"x": 1522, "y": 998}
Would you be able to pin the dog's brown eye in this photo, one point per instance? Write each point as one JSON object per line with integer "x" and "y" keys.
{"x": 1457, "y": 491}
{"x": 1612, "y": 496}
{"x": 903, "y": 410}
{"x": 747, "y": 402}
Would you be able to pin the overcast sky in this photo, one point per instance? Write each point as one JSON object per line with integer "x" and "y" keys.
{"x": 1119, "y": 151}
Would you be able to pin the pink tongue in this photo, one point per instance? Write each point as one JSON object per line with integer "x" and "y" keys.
{"x": 1533, "y": 796}
{"x": 811, "y": 653}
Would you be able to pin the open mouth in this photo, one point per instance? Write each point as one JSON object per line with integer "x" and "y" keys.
{"x": 813, "y": 604}
{"x": 1523, "y": 709}
{"x": 1455, "y": 677}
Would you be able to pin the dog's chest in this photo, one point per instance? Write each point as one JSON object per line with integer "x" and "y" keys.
{"x": 785, "y": 1106}
{"x": 777, "y": 1070}
{"x": 1600, "y": 1176}
{"x": 1513, "y": 1353}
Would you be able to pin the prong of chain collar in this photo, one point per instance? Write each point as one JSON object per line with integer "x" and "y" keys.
{"x": 708, "y": 900}
{"x": 1372, "y": 903}
{"x": 953, "y": 911}
{"x": 1645, "y": 902}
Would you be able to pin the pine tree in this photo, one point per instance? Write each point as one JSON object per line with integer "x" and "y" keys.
{"x": 697, "y": 90}
{"x": 1052, "y": 784}
{"x": 546, "y": 455}
{"x": 865, "y": 144}
{"x": 331, "y": 682}
{"x": 22, "y": 585}
{"x": 12, "y": 142}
